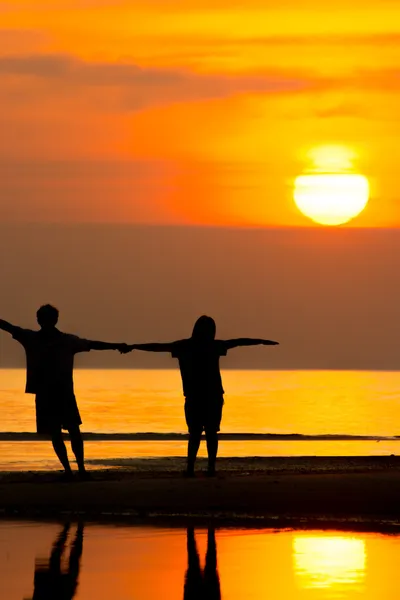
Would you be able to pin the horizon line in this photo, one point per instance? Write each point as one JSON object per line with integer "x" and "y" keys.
{"x": 26, "y": 436}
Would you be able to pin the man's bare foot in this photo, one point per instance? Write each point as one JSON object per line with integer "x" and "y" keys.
{"x": 84, "y": 475}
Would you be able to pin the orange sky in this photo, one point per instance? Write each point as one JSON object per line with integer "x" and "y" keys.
{"x": 195, "y": 111}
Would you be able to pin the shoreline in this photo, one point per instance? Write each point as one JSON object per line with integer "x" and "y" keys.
{"x": 27, "y": 436}
{"x": 206, "y": 520}
{"x": 322, "y": 492}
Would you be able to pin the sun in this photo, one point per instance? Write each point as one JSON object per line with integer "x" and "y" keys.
{"x": 331, "y": 199}
{"x": 331, "y": 194}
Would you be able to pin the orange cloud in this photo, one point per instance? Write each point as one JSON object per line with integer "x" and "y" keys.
{"x": 149, "y": 85}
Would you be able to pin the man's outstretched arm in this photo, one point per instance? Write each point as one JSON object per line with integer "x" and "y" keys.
{"x": 149, "y": 347}
{"x": 248, "y": 342}
{"x": 6, "y": 326}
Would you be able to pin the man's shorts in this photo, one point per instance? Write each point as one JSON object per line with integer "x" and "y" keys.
{"x": 56, "y": 410}
{"x": 203, "y": 414}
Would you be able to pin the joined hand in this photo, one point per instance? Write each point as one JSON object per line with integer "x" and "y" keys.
{"x": 123, "y": 348}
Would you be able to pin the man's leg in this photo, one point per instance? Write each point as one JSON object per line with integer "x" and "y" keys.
{"x": 212, "y": 450}
{"x": 47, "y": 423}
{"x": 74, "y": 562}
{"x": 58, "y": 550}
{"x": 77, "y": 447}
{"x": 194, "y": 576}
{"x": 60, "y": 449}
{"x": 193, "y": 448}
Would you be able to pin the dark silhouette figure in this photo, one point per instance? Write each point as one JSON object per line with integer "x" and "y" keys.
{"x": 201, "y": 584}
{"x": 49, "y": 374}
{"x": 51, "y": 581}
{"x": 198, "y": 359}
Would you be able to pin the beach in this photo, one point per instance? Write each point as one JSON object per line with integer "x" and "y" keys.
{"x": 291, "y": 449}
{"x": 279, "y": 491}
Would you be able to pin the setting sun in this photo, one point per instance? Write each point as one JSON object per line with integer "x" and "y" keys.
{"x": 330, "y": 191}
{"x": 331, "y": 199}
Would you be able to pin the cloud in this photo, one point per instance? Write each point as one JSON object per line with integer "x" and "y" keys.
{"x": 387, "y": 80}
{"x": 126, "y": 87}
{"x": 340, "y": 110}
{"x": 190, "y": 5}
{"x": 16, "y": 36}
{"x": 91, "y": 190}
{"x": 140, "y": 86}
{"x": 232, "y": 40}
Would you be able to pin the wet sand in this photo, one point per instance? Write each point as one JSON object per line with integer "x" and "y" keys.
{"x": 280, "y": 491}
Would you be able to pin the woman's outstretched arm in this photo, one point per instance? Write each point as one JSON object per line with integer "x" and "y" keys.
{"x": 248, "y": 342}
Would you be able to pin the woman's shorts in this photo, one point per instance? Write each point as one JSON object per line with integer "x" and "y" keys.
{"x": 204, "y": 414}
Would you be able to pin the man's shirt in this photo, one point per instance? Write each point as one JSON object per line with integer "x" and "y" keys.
{"x": 49, "y": 358}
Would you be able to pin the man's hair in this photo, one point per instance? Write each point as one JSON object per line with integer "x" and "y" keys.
{"x": 47, "y": 315}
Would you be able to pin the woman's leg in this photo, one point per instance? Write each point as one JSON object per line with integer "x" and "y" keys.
{"x": 193, "y": 421}
{"x": 213, "y": 422}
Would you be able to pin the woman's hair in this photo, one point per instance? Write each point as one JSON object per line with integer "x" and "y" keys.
{"x": 204, "y": 329}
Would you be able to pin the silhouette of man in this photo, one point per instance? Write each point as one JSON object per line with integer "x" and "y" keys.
{"x": 49, "y": 374}
{"x": 51, "y": 582}
{"x": 201, "y": 584}
{"x": 198, "y": 359}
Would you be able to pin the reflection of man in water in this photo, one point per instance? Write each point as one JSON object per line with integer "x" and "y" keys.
{"x": 52, "y": 582}
{"x": 201, "y": 584}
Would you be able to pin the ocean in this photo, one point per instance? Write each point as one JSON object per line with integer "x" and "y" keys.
{"x": 294, "y": 413}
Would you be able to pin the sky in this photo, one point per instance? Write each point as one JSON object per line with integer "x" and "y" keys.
{"x": 148, "y": 158}
{"x": 330, "y": 297}
{"x": 195, "y": 112}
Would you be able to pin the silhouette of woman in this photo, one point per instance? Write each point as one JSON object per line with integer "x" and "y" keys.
{"x": 200, "y": 584}
{"x": 50, "y": 581}
{"x": 198, "y": 359}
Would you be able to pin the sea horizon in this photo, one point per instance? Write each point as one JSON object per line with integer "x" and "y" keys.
{"x": 130, "y": 413}
{"x": 223, "y": 369}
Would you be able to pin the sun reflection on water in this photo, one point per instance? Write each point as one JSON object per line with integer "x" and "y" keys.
{"x": 326, "y": 561}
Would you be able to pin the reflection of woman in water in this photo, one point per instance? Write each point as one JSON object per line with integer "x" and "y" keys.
{"x": 201, "y": 584}
{"x": 198, "y": 358}
{"x": 51, "y": 581}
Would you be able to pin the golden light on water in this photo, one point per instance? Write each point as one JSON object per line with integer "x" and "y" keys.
{"x": 331, "y": 193}
{"x": 327, "y": 561}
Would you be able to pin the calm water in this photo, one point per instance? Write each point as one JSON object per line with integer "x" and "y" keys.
{"x": 284, "y": 402}
{"x": 65, "y": 562}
